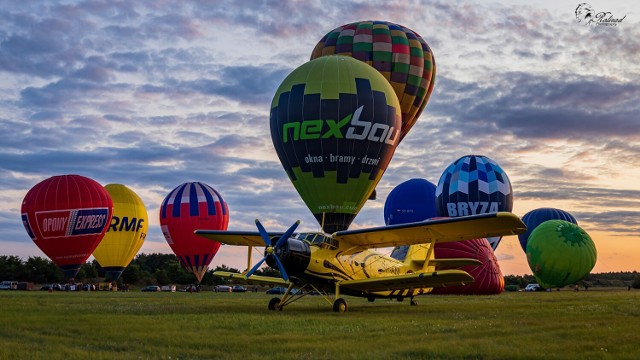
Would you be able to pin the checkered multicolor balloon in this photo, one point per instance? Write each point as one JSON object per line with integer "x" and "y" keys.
{"x": 398, "y": 53}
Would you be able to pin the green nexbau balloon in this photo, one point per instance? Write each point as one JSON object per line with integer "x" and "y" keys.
{"x": 335, "y": 124}
{"x": 560, "y": 253}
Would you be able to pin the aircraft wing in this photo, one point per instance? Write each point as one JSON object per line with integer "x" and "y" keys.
{"x": 240, "y": 238}
{"x": 409, "y": 281}
{"x": 437, "y": 230}
{"x": 252, "y": 279}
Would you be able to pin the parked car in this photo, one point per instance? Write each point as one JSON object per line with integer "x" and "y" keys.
{"x": 47, "y": 287}
{"x": 281, "y": 290}
{"x": 533, "y": 287}
{"x": 152, "y": 288}
{"x": 239, "y": 288}
{"x": 222, "y": 288}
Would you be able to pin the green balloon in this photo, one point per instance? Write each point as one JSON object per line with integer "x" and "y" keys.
{"x": 335, "y": 124}
{"x": 560, "y": 253}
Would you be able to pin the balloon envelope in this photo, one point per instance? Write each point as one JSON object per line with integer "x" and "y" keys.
{"x": 536, "y": 217}
{"x": 67, "y": 216}
{"x": 126, "y": 233}
{"x": 474, "y": 184}
{"x": 560, "y": 253}
{"x": 411, "y": 201}
{"x": 398, "y": 53}
{"x": 488, "y": 277}
{"x": 189, "y": 207}
{"x": 335, "y": 125}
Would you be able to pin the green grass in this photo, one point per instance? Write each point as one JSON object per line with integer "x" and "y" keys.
{"x": 136, "y": 325}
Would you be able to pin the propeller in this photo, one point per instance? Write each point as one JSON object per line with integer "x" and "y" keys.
{"x": 270, "y": 250}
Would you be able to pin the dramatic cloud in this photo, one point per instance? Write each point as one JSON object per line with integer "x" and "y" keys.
{"x": 153, "y": 94}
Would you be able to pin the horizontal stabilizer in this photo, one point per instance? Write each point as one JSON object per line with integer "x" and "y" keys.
{"x": 410, "y": 281}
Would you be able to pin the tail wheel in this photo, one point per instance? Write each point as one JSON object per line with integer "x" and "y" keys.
{"x": 273, "y": 304}
{"x": 340, "y": 305}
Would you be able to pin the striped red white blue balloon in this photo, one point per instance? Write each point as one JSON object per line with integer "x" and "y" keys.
{"x": 189, "y": 207}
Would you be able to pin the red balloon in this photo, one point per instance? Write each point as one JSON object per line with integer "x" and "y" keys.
{"x": 488, "y": 277}
{"x": 189, "y": 207}
{"x": 67, "y": 216}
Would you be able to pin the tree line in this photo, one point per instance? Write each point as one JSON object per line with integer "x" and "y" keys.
{"x": 165, "y": 269}
{"x": 145, "y": 269}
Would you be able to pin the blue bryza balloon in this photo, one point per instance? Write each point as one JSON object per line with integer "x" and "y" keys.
{"x": 411, "y": 201}
{"x": 474, "y": 184}
{"x": 536, "y": 217}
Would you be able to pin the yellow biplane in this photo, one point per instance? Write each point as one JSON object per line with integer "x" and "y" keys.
{"x": 343, "y": 262}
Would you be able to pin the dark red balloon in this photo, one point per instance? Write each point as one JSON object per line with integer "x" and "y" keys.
{"x": 67, "y": 217}
{"x": 488, "y": 277}
{"x": 189, "y": 207}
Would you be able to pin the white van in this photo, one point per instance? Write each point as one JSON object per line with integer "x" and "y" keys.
{"x": 9, "y": 285}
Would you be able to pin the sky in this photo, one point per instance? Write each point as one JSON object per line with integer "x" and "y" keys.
{"x": 152, "y": 94}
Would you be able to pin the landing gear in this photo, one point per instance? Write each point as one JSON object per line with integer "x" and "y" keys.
{"x": 414, "y": 302}
{"x": 275, "y": 304}
{"x": 340, "y": 305}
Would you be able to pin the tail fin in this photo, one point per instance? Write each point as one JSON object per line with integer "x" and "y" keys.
{"x": 416, "y": 257}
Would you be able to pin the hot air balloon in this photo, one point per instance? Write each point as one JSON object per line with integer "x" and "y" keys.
{"x": 189, "y": 207}
{"x": 335, "y": 125}
{"x": 560, "y": 253}
{"x": 67, "y": 216}
{"x": 488, "y": 277}
{"x": 411, "y": 201}
{"x": 126, "y": 233}
{"x": 474, "y": 184}
{"x": 536, "y": 217}
{"x": 398, "y": 53}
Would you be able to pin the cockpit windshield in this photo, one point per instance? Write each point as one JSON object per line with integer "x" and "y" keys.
{"x": 318, "y": 238}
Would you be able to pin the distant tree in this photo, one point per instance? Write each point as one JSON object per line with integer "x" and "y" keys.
{"x": 636, "y": 282}
{"x": 42, "y": 271}
{"x": 11, "y": 268}
{"x": 90, "y": 269}
{"x": 81, "y": 275}
{"x": 161, "y": 277}
{"x": 131, "y": 274}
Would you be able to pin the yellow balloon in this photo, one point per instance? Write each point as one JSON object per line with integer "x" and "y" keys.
{"x": 128, "y": 229}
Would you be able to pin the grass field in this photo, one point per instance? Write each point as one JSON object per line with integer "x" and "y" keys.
{"x": 135, "y": 325}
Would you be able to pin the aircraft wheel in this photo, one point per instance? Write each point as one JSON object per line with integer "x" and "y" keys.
{"x": 273, "y": 304}
{"x": 414, "y": 302}
{"x": 340, "y": 305}
{"x": 371, "y": 298}
{"x": 400, "y": 299}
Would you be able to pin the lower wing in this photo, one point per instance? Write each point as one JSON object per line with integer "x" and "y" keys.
{"x": 252, "y": 279}
{"x": 410, "y": 281}
{"x": 240, "y": 238}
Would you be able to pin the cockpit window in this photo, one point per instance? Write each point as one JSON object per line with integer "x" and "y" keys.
{"x": 318, "y": 238}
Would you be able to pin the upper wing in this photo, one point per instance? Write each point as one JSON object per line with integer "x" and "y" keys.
{"x": 252, "y": 278}
{"x": 440, "y": 230}
{"x": 409, "y": 281}
{"x": 242, "y": 238}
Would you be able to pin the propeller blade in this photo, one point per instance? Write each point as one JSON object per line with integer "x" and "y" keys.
{"x": 287, "y": 234}
{"x": 263, "y": 233}
{"x": 253, "y": 269}
{"x": 282, "y": 271}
